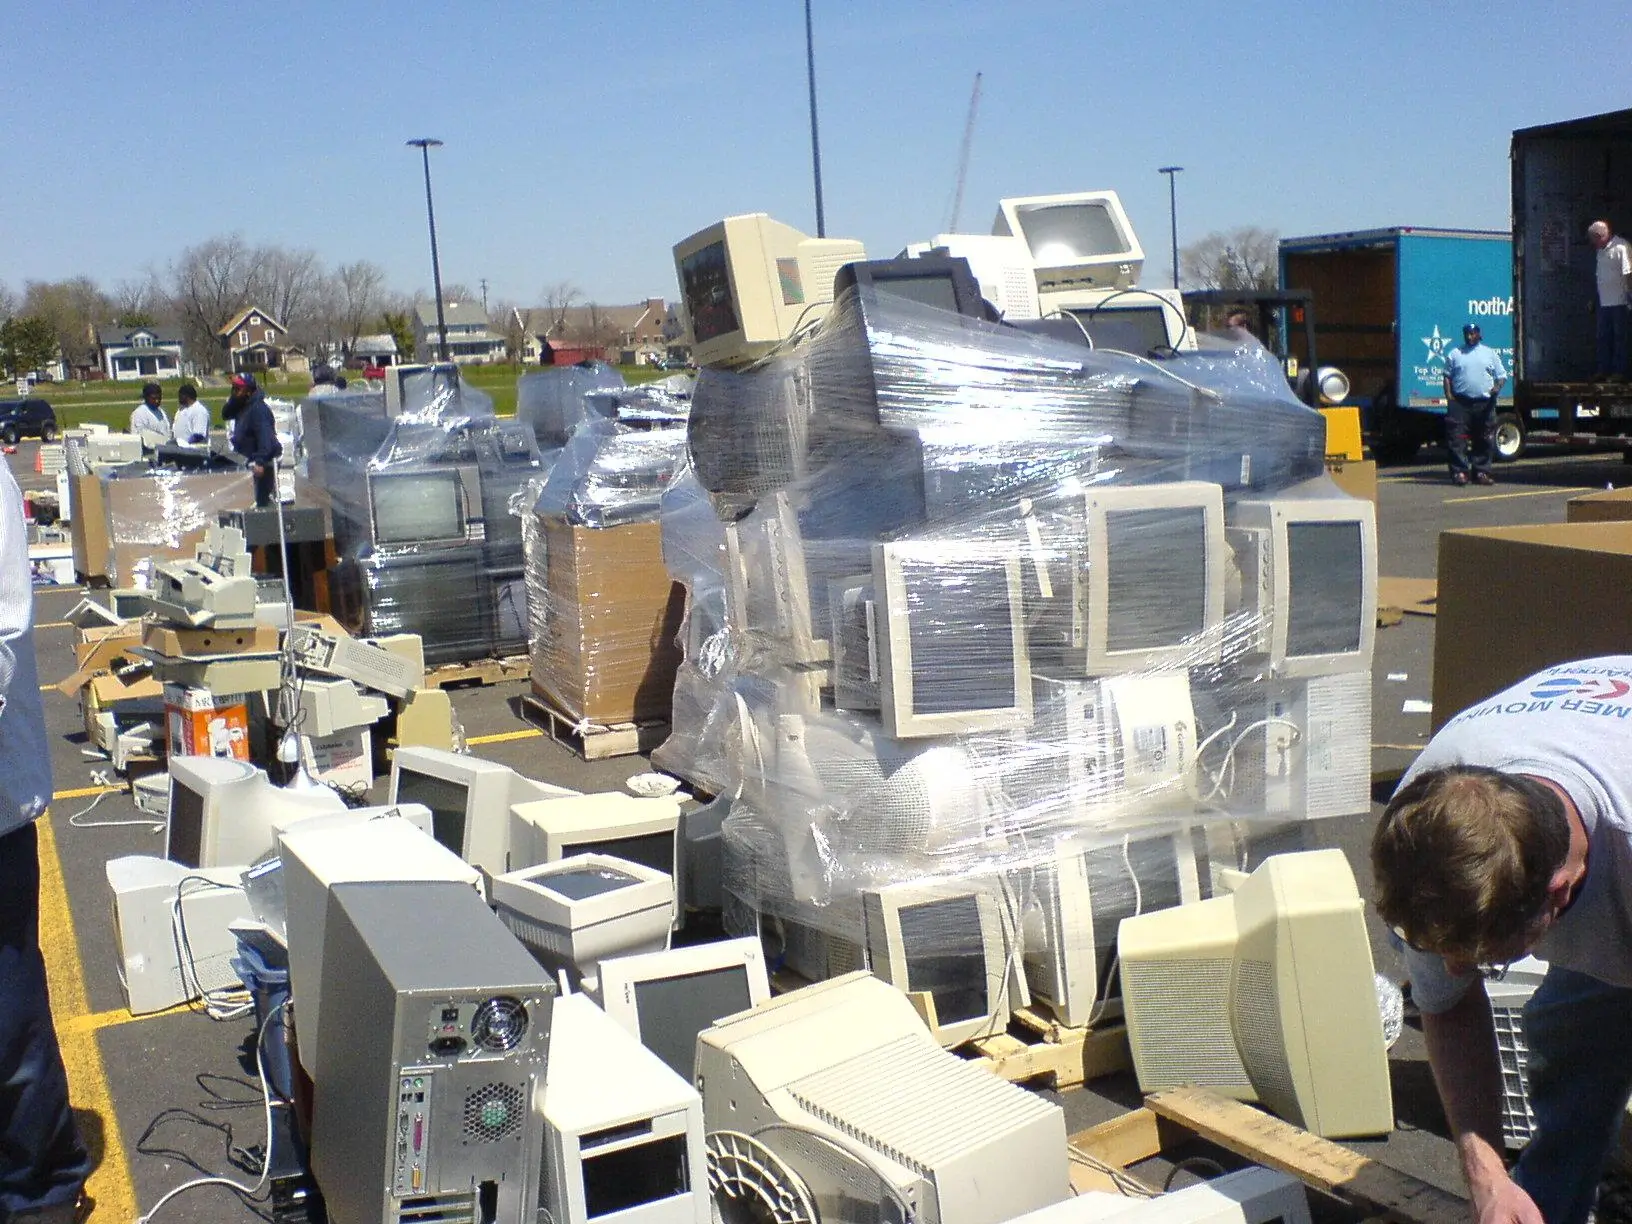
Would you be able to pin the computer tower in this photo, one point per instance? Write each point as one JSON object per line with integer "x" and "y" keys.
{"x": 437, "y": 1047}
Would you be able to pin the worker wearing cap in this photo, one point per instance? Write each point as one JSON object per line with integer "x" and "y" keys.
{"x": 255, "y": 435}
{"x": 1473, "y": 380}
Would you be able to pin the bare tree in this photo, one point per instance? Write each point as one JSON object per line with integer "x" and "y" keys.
{"x": 559, "y": 298}
{"x": 8, "y": 302}
{"x": 292, "y": 284}
{"x": 137, "y": 302}
{"x": 358, "y": 296}
{"x": 504, "y": 319}
{"x": 73, "y": 308}
{"x": 1243, "y": 258}
{"x": 209, "y": 283}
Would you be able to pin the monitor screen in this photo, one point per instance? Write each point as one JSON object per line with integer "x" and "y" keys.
{"x": 960, "y": 626}
{"x": 1132, "y": 329}
{"x": 1156, "y": 595}
{"x": 1114, "y": 896}
{"x": 672, "y": 1011}
{"x": 416, "y": 507}
{"x": 586, "y": 882}
{"x": 186, "y": 844}
{"x": 935, "y": 290}
{"x": 706, "y": 287}
{"x": 1065, "y": 233}
{"x": 447, "y": 801}
{"x": 1325, "y": 601}
{"x": 633, "y": 1176}
{"x": 946, "y": 955}
{"x": 654, "y": 850}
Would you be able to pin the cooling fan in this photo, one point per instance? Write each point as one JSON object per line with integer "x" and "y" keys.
{"x": 499, "y": 1024}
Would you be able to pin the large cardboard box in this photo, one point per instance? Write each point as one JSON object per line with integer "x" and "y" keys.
{"x": 1356, "y": 478}
{"x": 88, "y": 527}
{"x": 1513, "y": 600}
{"x": 1608, "y": 506}
{"x": 163, "y": 517}
{"x": 603, "y": 646}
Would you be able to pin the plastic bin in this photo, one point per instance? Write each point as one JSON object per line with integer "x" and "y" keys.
{"x": 1507, "y": 1000}
{"x": 268, "y": 986}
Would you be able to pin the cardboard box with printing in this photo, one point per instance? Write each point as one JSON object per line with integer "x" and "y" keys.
{"x": 1513, "y": 600}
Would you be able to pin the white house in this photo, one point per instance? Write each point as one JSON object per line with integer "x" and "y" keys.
{"x": 376, "y": 350}
{"x": 469, "y": 339}
{"x": 138, "y": 353}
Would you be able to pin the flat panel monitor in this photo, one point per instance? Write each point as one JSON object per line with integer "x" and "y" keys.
{"x": 1266, "y": 995}
{"x": 574, "y": 913}
{"x": 950, "y": 941}
{"x": 1079, "y": 239}
{"x": 749, "y": 282}
{"x": 952, "y": 636}
{"x": 1308, "y": 570}
{"x": 225, "y": 812}
{"x": 940, "y": 281}
{"x": 667, "y": 998}
{"x": 417, "y": 506}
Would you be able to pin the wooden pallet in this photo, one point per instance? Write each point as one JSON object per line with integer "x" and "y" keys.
{"x": 1102, "y": 1154}
{"x": 479, "y": 673}
{"x": 593, "y": 741}
{"x": 1037, "y": 1048}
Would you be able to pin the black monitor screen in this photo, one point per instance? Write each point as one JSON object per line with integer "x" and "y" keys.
{"x": 672, "y": 1011}
{"x": 447, "y": 801}
{"x": 1326, "y": 568}
{"x": 1156, "y": 577}
{"x": 417, "y": 507}
{"x": 1113, "y": 896}
{"x": 634, "y": 1176}
{"x": 1132, "y": 329}
{"x": 654, "y": 850}
{"x": 587, "y": 882}
{"x": 186, "y": 841}
{"x": 934, "y": 290}
{"x": 960, "y": 628}
{"x": 946, "y": 955}
{"x": 706, "y": 286}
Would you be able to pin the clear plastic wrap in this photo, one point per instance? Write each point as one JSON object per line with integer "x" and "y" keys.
{"x": 992, "y": 612}
{"x": 553, "y": 400}
{"x": 157, "y": 515}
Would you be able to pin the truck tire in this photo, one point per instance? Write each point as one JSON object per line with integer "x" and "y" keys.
{"x": 1510, "y": 439}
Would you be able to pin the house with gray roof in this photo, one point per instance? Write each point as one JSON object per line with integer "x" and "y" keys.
{"x": 138, "y": 353}
{"x": 470, "y": 340}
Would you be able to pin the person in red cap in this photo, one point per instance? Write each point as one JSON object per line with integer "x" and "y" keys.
{"x": 254, "y": 435}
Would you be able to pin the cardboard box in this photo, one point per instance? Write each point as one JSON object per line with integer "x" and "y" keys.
{"x": 88, "y": 528}
{"x": 163, "y": 517}
{"x": 199, "y": 723}
{"x": 1513, "y": 600}
{"x": 344, "y": 759}
{"x": 1607, "y": 506}
{"x": 607, "y": 653}
{"x": 193, "y": 643}
{"x": 1357, "y": 479}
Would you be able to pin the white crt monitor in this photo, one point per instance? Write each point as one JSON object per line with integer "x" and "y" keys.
{"x": 948, "y": 940}
{"x": 1001, "y": 263}
{"x": 576, "y": 912}
{"x": 623, "y": 1134}
{"x": 667, "y": 998}
{"x": 1308, "y": 570}
{"x": 951, "y": 635}
{"x": 1254, "y": 1195}
{"x": 469, "y": 800}
{"x": 319, "y": 855}
{"x": 1150, "y": 590}
{"x": 748, "y": 282}
{"x": 641, "y": 830}
{"x": 225, "y": 812}
{"x": 1264, "y": 995}
{"x": 1078, "y": 240}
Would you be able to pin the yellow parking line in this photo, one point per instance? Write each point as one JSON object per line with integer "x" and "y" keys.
{"x": 109, "y": 1183}
{"x": 504, "y": 737}
{"x": 84, "y": 792}
{"x": 56, "y": 625}
{"x": 97, "y": 1021}
{"x": 1484, "y": 497}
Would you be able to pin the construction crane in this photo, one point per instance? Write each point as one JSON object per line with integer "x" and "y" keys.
{"x": 963, "y": 157}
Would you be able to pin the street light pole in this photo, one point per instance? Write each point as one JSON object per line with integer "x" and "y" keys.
{"x": 1172, "y": 173}
{"x": 815, "y": 142}
{"x": 425, "y": 144}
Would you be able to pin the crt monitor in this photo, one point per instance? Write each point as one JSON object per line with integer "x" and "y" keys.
{"x": 1265, "y": 995}
{"x": 416, "y": 506}
{"x": 225, "y": 812}
{"x": 949, "y": 940}
{"x": 1130, "y": 329}
{"x": 667, "y": 998}
{"x": 951, "y": 638}
{"x": 1078, "y": 240}
{"x": 1308, "y": 569}
{"x": 641, "y": 830}
{"x": 574, "y": 913}
{"x": 941, "y": 281}
{"x": 749, "y": 282}
{"x": 1001, "y": 265}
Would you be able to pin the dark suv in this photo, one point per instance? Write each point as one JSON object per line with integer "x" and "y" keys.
{"x": 21, "y": 418}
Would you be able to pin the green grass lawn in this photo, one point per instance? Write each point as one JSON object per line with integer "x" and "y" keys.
{"x": 111, "y": 403}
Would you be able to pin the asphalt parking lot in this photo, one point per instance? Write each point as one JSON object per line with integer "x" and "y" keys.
{"x": 127, "y": 1072}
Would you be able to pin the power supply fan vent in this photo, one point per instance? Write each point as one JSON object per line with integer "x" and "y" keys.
{"x": 751, "y": 1184}
{"x": 499, "y": 1024}
{"x": 493, "y": 1112}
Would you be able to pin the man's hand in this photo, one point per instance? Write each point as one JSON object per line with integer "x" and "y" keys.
{"x": 1502, "y": 1201}
{"x": 259, "y": 468}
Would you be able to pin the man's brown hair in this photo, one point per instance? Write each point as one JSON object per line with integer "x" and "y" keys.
{"x": 1464, "y": 856}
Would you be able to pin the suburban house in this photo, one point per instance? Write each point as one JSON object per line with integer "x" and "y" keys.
{"x": 138, "y": 353}
{"x": 469, "y": 338}
{"x": 253, "y": 340}
{"x": 376, "y": 350}
{"x": 627, "y": 335}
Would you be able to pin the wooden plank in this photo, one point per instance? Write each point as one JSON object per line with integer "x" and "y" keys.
{"x": 1062, "y": 1058}
{"x": 592, "y": 741}
{"x": 480, "y": 672}
{"x": 1137, "y": 1135}
{"x": 1374, "y": 1188}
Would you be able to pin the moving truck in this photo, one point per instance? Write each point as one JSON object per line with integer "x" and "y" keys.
{"x": 1387, "y": 304}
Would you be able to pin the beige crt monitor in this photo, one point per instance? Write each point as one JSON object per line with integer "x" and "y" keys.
{"x": 1264, "y": 995}
{"x": 749, "y": 282}
{"x": 1078, "y": 240}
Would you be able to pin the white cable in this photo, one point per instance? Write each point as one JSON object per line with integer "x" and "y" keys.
{"x": 221, "y": 1003}
{"x": 248, "y": 1192}
{"x": 78, "y": 821}
{"x": 1138, "y": 908}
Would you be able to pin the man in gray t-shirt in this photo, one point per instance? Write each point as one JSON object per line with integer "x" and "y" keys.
{"x": 1512, "y": 834}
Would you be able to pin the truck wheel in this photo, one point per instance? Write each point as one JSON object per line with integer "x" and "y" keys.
{"x": 1509, "y": 436}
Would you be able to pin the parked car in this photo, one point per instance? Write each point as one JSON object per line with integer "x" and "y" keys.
{"x": 27, "y": 418}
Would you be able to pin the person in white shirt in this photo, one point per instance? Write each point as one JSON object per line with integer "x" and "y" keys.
{"x": 324, "y": 383}
{"x": 192, "y": 426}
{"x": 1614, "y": 270}
{"x": 148, "y": 421}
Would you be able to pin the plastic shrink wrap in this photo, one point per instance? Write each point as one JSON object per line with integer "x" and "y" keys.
{"x": 1002, "y": 639}
{"x": 159, "y": 514}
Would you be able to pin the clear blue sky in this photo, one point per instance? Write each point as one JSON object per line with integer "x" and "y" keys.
{"x": 583, "y": 140}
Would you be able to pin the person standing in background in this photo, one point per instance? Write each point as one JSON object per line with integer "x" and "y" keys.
{"x": 148, "y": 421}
{"x": 255, "y": 435}
{"x": 192, "y": 424}
{"x": 1473, "y": 381}
{"x": 1614, "y": 275}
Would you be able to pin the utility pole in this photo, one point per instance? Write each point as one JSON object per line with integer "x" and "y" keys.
{"x": 815, "y": 140}
{"x": 1173, "y": 173}
{"x": 484, "y": 294}
{"x": 425, "y": 144}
